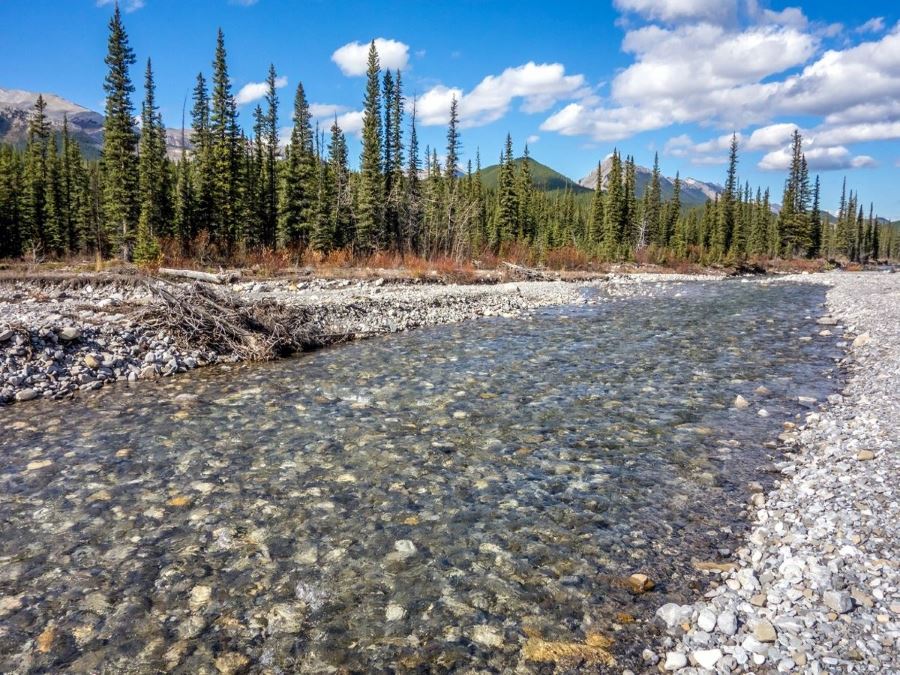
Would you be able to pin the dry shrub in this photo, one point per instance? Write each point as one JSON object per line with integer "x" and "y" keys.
{"x": 453, "y": 271}
{"x": 268, "y": 262}
{"x": 568, "y": 258}
{"x": 517, "y": 253}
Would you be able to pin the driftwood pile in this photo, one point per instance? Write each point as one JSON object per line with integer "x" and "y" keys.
{"x": 203, "y": 318}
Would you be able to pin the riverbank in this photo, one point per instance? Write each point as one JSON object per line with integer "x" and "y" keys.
{"x": 816, "y": 587}
{"x": 58, "y": 339}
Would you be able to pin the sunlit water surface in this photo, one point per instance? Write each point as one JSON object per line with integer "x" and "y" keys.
{"x": 416, "y": 502}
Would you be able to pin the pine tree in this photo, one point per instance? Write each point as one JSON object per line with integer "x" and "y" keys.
{"x": 524, "y": 199}
{"x": 412, "y": 200}
{"x": 653, "y": 206}
{"x": 721, "y": 241}
{"x": 615, "y": 212}
{"x": 226, "y": 152}
{"x": 815, "y": 223}
{"x": 119, "y": 159}
{"x": 393, "y": 157}
{"x": 341, "y": 205}
{"x": 507, "y": 204}
{"x": 34, "y": 236}
{"x": 152, "y": 172}
{"x": 269, "y": 178}
{"x": 369, "y": 227}
{"x": 595, "y": 221}
{"x": 299, "y": 177}
{"x": 202, "y": 165}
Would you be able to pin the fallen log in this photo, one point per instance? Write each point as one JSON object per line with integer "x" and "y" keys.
{"x": 529, "y": 273}
{"x": 208, "y": 277}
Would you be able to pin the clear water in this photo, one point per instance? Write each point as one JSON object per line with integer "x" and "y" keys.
{"x": 418, "y": 502}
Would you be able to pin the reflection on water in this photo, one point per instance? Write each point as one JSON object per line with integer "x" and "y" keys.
{"x": 416, "y": 502}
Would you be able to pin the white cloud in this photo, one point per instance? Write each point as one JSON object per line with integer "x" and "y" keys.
{"x": 818, "y": 159}
{"x": 875, "y": 25}
{"x": 857, "y": 133}
{"x": 127, "y": 5}
{"x": 703, "y": 153}
{"x": 326, "y": 109}
{"x": 539, "y": 86}
{"x": 771, "y": 136}
{"x": 680, "y": 10}
{"x": 353, "y": 57}
{"x": 531, "y": 140}
{"x": 351, "y": 122}
{"x": 253, "y": 91}
{"x": 703, "y": 63}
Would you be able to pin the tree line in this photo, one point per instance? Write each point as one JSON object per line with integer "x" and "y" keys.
{"x": 231, "y": 192}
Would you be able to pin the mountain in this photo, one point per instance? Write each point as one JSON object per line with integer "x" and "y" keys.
{"x": 542, "y": 176}
{"x": 693, "y": 192}
{"x": 86, "y": 126}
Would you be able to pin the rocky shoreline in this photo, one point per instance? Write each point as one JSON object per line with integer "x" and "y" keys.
{"x": 60, "y": 339}
{"x": 816, "y": 587}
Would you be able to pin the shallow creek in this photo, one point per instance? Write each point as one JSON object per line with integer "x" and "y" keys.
{"x": 428, "y": 501}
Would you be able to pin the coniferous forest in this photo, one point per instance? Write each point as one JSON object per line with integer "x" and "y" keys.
{"x": 232, "y": 193}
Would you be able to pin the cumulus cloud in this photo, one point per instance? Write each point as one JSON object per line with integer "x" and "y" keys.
{"x": 127, "y": 5}
{"x": 706, "y": 63}
{"x": 531, "y": 140}
{"x": 351, "y": 122}
{"x": 253, "y": 91}
{"x": 679, "y": 10}
{"x": 538, "y": 85}
{"x": 353, "y": 57}
{"x": 818, "y": 159}
{"x": 771, "y": 136}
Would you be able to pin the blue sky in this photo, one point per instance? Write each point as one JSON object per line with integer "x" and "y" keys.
{"x": 673, "y": 76}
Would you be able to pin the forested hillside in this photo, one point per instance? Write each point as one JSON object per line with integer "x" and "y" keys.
{"x": 234, "y": 191}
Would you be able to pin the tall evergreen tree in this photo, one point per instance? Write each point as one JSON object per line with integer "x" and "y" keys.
{"x": 152, "y": 174}
{"x": 412, "y": 217}
{"x": 226, "y": 152}
{"x": 120, "y": 169}
{"x": 299, "y": 177}
{"x": 202, "y": 165}
{"x": 369, "y": 227}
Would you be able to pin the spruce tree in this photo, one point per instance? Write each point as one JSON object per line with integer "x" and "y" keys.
{"x": 119, "y": 158}
{"x": 34, "y": 237}
{"x": 152, "y": 175}
{"x": 341, "y": 204}
{"x": 201, "y": 163}
{"x": 226, "y": 152}
{"x": 269, "y": 179}
{"x": 595, "y": 220}
{"x": 614, "y": 212}
{"x": 721, "y": 241}
{"x": 507, "y": 204}
{"x": 412, "y": 200}
{"x": 369, "y": 226}
{"x": 299, "y": 177}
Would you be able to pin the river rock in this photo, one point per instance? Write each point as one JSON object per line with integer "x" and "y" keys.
{"x": 69, "y": 333}
{"x": 707, "y": 658}
{"x": 837, "y": 601}
{"x": 764, "y": 631}
{"x": 675, "y": 661}
{"x": 740, "y": 402}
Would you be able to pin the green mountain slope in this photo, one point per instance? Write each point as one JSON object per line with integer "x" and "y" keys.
{"x": 542, "y": 176}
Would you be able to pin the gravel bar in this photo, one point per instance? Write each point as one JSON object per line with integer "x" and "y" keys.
{"x": 58, "y": 340}
{"x": 816, "y": 587}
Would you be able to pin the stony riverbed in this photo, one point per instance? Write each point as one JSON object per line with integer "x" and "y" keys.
{"x": 816, "y": 587}
{"x": 463, "y": 497}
